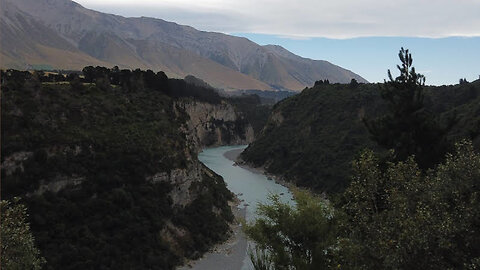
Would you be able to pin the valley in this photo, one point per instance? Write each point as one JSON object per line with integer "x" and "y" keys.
{"x": 134, "y": 142}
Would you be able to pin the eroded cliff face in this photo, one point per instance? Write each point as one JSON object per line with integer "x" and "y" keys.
{"x": 206, "y": 125}
{"x": 215, "y": 124}
{"x": 202, "y": 195}
{"x": 181, "y": 179}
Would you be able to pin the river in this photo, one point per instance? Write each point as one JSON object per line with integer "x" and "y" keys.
{"x": 251, "y": 188}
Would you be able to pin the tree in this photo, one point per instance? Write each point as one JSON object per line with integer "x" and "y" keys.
{"x": 353, "y": 83}
{"x": 408, "y": 128}
{"x": 401, "y": 218}
{"x": 321, "y": 82}
{"x": 18, "y": 245}
{"x": 89, "y": 74}
{"x": 294, "y": 237}
{"x": 463, "y": 81}
{"x": 75, "y": 83}
{"x": 393, "y": 216}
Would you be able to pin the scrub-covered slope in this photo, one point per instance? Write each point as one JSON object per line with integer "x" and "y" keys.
{"x": 311, "y": 138}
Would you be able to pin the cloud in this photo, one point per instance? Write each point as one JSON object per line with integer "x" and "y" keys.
{"x": 311, "y": 18}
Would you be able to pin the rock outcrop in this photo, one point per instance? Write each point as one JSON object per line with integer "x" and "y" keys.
{"x": 181, "y": 180}
{"x": 215, "y": 124}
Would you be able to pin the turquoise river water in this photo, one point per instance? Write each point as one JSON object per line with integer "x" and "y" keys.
{"x": 251, "y": 187}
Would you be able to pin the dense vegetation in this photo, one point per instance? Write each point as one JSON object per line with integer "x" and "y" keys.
{"x": 414, "y": 207}
{"x": 392, "y": 216}
{"x": 311, "y": 138}
{"x": 80, "y": 151}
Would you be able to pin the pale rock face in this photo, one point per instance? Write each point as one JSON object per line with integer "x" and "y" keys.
{"x": 209, "y": 125}
{"x": 15, "y": 161}
{"x": 249, "y": 134}
{"x": 181, "y": 180}
{"x": 172, "y": 235}
{"x": 277, "y": 118}
{"x": 215, "y": 124}
{"x": 201, "y": 112}
{"x": 59, "y": 183}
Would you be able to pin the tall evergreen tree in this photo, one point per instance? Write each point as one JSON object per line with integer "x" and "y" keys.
{"x": 407, "y": 127}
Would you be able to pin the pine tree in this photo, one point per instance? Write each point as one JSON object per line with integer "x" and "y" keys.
{"x": 407, "y": 127}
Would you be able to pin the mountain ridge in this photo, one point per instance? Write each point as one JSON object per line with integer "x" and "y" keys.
{"x": 225, "y": 61}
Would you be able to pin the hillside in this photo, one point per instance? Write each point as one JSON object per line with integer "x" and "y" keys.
{"x": 312, "y": 138}
{"x": 108, "y": 167}
{"x": 62, "y": 34}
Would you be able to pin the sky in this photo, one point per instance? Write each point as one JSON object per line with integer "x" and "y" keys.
{"x": 361, "y": 35}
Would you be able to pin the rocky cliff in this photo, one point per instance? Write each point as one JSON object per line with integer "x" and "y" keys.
{"x": 215, "y": 124}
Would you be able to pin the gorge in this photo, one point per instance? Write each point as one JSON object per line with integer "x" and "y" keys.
{"x": 110, "y": 169}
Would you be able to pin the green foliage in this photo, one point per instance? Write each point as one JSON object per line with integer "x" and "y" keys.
{"x": 311, "y": 138}
{"x": 114, "y": 228}
{"x": 260, "y": 258}
{"x": 256, "y": 113}
{"x": 198, "y": 217}
{"x": 400, "y": 218}
{"x": 18, "y": 245}
{"x": 396, "y": 213}
{"x": 294, "y": 237}
{"x": 392, "y": 216}
{"x": 111, "y": 138}
{"x": 408, "y": 127}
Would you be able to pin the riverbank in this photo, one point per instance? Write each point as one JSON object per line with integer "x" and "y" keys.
{"x": 231, "y": 253}
{"x": 233, "y": 155}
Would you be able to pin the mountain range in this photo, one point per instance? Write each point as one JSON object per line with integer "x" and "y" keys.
{"x": 61, "y": 34}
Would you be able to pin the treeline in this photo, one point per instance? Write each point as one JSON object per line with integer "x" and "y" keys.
{"x": 128, "y": 80}
{"x": 411, "y": 204}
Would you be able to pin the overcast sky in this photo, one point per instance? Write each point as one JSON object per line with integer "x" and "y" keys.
{"x": 319, "y": 29}
{"x": 312, "y": 18}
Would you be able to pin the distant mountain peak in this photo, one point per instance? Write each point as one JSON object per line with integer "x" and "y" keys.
{"x": 93, "y": 37}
